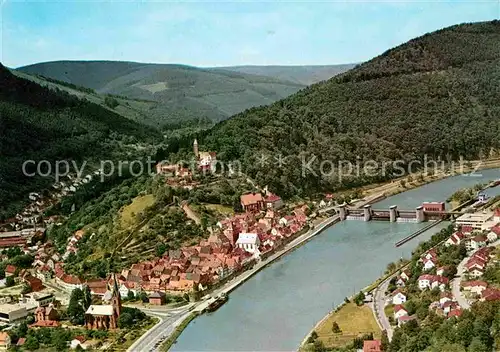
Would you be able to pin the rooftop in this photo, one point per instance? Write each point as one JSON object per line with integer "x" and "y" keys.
{"x": 104, "y": 309}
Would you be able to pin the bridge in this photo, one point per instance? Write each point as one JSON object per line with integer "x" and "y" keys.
{"x": 393, "y": 214}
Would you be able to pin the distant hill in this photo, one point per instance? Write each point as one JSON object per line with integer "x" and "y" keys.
{"x": 182, "y": 92}
{"x": 305, "y": 75}
{"x": 40, "y": 123}
{"x": 437, "y": 95}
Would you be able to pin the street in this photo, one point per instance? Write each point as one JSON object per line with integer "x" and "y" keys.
{"x": 153, "y": 338}
{"x": 379, "y": 300}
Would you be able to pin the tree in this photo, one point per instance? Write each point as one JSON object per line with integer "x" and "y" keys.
{"x": 125, "y": 320}
{"x": 384, "y": 340}
{"x": 22, "y": 329}
{"x": 411, "y": 307}
{"x": 31, "y": 343}
{"x": 477, "y": 345}
{"x": 359, "y": 299}
{"x": 9, "y": 281}
{"x": 144, "y": 297}
{"x": 26, "y": 289}
{"x": 336, "y": 328}
{"x": 86, "y": 297}
{"x": 75, "y": 309}
{"x": 111, "y": 102}
{"x": 130, "y": 295}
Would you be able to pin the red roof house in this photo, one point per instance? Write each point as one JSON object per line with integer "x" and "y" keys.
{"x": 372, "y": 346}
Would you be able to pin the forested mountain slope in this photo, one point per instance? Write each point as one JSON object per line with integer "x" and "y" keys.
{"x": 300, "y": 74}
{"x": 38, "y": 123}
{"x": 437, "y": 95}
{"x": 182, "y": 92}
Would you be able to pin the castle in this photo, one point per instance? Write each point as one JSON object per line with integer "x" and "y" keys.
{"x": 206, "y": 161}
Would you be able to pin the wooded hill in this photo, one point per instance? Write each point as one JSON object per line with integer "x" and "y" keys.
{"x": 38, "y": 123}
{"x": 436, "y": 95}
{"x": 180, "y": 92}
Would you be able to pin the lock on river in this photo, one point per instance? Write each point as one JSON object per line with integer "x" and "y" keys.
{"x": 277, "y": 307}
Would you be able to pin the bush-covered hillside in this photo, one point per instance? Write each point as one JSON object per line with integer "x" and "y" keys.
{"x": 436, "y": 95}
{"x": 37, "y": 123}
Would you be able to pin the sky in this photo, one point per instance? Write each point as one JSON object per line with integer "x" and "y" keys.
{"x": 222, "y": 33}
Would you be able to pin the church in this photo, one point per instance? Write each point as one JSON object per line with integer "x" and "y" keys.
{"x": 105, "y": 316}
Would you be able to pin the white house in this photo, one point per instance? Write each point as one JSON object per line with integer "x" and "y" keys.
{"x": 494, "y": 234}
{"x": 399, "y": 311}
{"x": 476, "y": 272}
{"x": 445, "y": 297}
{"x": 496, "y": 215}
{"x": 250, "y": 242}
{"x": 476, "y": 242}
{"x": 77, "y": 341}
{"x": 398, "y": 297}
{"x": 455, "y": 239}
{"x": 429, "y": 264}
{"x": 440, "y": 271}
{"x": 424, "y": 281}
{"x": 440, "y": 282}
{"x": 475, "y": 286}
{"x": 286, "y": 220}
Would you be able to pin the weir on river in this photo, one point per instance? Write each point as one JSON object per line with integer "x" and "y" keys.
{"x": 276, "y": 308}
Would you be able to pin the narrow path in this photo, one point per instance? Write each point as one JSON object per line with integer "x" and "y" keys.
{"x": 190, "y": 213}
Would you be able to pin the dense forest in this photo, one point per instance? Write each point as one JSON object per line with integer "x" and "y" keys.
{"x": 37, "y": 123}
{"x": 436, "y": 95}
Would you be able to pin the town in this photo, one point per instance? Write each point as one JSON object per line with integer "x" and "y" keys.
{"x": 39, "y": 290}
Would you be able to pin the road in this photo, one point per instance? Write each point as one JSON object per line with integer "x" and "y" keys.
{"x": 455, "y": 284}
{"x": 379, "y": 300}
{"x": 153, "y": 338}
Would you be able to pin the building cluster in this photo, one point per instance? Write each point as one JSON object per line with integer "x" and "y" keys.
{"x": 429, "y": 260}
{"x": 181, "y": 176}
{"x": 474, "y": 236}
{"x": 238, "y": 242}
{"x": 475, "y": 267}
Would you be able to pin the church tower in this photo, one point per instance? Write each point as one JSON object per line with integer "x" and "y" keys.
{"x": 195, "y": 149}
{"x": 116, "y": 301}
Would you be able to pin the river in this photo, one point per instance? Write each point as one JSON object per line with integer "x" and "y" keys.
{"x": 276, "y": 308}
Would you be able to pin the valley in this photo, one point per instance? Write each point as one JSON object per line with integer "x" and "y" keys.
{"x": 220, "y": 208}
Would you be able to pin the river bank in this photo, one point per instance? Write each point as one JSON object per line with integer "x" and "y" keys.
{"x": 260, "y": 312}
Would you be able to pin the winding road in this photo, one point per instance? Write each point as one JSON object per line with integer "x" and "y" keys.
{"x": 379, "y": 300}
{"x": 153, "y": 338}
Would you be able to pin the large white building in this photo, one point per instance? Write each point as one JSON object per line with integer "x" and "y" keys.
{"x": 10, "y": 313}
{"x": 250, "y": 242}
{"x": 478, "y": 221}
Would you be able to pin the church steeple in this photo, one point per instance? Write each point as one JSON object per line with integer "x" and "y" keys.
{"x": 195, "y": 149}
{"x": 116, "y": 301}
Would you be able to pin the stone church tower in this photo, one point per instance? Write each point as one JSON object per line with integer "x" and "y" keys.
{"x": 116, "y": 301}
{"x": 195, "y": 149}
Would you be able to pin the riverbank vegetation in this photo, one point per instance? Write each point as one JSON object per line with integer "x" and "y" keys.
{"x": 347, "y": 323}
{"x": 466, "y": 194}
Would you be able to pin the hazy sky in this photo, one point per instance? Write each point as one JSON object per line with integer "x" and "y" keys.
{"x": 222, "y": 33}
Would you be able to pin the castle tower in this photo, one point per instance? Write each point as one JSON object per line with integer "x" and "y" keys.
{"x": 195, "y": 149}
